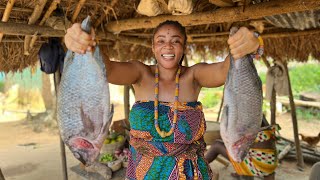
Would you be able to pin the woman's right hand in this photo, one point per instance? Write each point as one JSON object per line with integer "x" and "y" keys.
{"x": 79, "y": 41}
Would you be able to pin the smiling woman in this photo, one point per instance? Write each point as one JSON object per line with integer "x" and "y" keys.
{"x": 167, "y": 121}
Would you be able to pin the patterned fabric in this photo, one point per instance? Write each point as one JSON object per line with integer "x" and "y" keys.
{"x": 258, "y": 162}
{"x": 178, "y": 156}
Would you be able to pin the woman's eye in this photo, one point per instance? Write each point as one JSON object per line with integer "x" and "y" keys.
{"x": 176, "y": 42}
{"x": 160, "y": 41}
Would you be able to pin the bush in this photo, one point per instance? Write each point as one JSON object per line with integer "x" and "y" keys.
{"x": 308, "y": 113}
{"x": 210, "y": 99}
{"x": 302, "y": 77}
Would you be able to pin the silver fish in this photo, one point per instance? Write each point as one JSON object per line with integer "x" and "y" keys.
{"x": 83, "y": 99}
{"x": 242, "y": 108}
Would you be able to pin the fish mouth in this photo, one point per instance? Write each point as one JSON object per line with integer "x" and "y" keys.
{"x": 84, "y": 150}
{"x": 80, "y": 158}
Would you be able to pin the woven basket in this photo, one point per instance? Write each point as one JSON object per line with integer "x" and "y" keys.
{"x": 110, "y": 148}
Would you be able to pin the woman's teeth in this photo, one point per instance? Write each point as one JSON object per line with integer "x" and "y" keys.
{"x": 167, "y": 55}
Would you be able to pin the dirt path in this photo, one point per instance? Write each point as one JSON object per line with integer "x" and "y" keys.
{"x": 25, "y": 154}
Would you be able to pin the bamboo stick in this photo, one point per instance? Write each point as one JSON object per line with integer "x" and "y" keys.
{"x": 223, "y": 35}
{"x": 1, "y": 175}
{"x": 6, "y": 14}
{"x": 221, "y": 15}
{"x": 57, "y": 79}
{"x": 285, "y": 151}
{"x": 33, "y": 18}
{"x": 25, "y": 10}
{"x": 53, "y": 6}
{"x": 299, "y": 102}
{"x": 273, "y": 102}
{"x": 77, "y": 10}
{"x": 295, "y": 123}
{"x": 21, "y": 29}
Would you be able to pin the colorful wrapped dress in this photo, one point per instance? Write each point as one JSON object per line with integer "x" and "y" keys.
{"x": 178, "y": 156}
{"x": 259, "y": 162}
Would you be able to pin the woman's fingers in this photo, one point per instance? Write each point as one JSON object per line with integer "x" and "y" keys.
{"x": 77, "y": 40}
{"x": 243, "y": 42}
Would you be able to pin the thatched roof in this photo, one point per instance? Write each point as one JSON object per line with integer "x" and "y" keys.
{"x": 290, "y": 28}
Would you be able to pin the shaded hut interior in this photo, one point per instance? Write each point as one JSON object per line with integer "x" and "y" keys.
{"x": 290, "y": 28}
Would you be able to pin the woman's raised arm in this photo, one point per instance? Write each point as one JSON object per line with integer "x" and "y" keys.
{"x": 213, "y": 75}
{"x": 121, "y": 73}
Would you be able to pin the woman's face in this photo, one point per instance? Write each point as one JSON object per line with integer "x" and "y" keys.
{"x": 168, "y": 46}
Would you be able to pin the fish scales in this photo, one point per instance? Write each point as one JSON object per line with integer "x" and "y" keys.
{"x": 84, "y": 103}
{"x": 242, "y": 109}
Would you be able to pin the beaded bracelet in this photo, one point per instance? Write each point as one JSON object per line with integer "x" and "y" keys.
{"x": 260, "y": 50}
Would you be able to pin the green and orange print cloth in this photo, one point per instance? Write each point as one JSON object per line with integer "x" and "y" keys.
{"x": 178, "y": 156}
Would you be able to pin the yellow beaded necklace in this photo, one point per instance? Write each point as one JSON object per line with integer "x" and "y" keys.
{"x": 164, "y": 134}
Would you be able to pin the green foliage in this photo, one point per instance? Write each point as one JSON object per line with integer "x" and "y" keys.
{"x": 211, "y": 97}
{"x": 305, "y": 78}
{"x": 308, "y": 113}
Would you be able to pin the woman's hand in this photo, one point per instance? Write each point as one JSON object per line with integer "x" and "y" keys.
{"x": 243, "y": 42}
{"x": 79, "y": 41}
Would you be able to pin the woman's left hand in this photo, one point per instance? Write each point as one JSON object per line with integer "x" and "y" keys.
{"x": 243, "y": 42}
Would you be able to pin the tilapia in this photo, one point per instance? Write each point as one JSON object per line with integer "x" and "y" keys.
{"x": 83, "y": 103}
{"x": 242, "y": 108}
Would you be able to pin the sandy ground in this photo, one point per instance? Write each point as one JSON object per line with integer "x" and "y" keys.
{"x": 29, "y": 155}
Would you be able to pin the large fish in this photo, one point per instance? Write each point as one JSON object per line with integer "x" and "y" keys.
{"x": 84, "y": 103}
{"x": 242, "y": 108}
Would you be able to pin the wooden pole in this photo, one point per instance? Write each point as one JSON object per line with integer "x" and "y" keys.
{"x": 57, "y": 79}
{"x": 220, "y": 108}
{"x": 32, "y": 19}
{"x": 21, "y": 29}
{"x": 223, "y": 37}
{"x": 126, "y": 88}
{"x": 300, "y": 103}
{"x": 25, "y": 10}
{"x": 295, "y": 123}
{"x": 222, "y": 15}
{"x": 1, "y": 175}
{"x": 6, "y": 14}
{"x": 273, "y": 102}
{"x": 53, "y": 6}
{"x": 77, "y": 10}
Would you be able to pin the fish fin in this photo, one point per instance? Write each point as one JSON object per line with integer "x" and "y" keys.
{"x": 225, "y": 116}
{"x": 87, "y": 123}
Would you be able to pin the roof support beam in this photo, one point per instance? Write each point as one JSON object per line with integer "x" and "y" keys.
{"x": 24, "y": 29}
{"x": 222, "y": 15}
{"x": 265, "y": 36}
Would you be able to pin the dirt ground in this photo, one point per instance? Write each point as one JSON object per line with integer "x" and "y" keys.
{"x": 29, "y": 155}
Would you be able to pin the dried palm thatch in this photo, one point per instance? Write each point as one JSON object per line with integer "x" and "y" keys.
{"x": 205, "y": 39}
{"x": 12, "y": 59}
